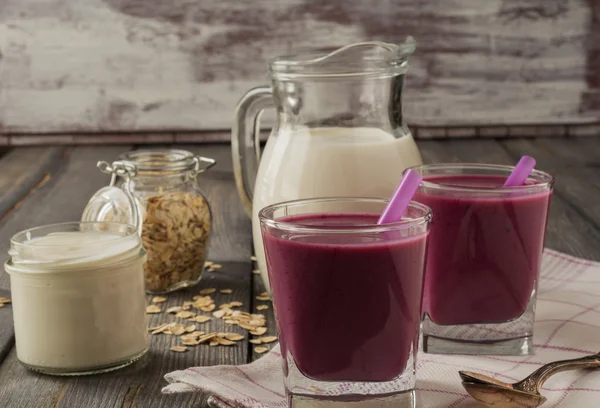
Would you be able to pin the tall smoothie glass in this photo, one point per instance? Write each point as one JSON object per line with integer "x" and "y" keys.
{"x": 484, "y": 258}
{"x": 347, "y": 295}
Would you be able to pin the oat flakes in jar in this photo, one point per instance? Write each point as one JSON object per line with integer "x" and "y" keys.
{"x": 158, "y": 191}
{"x": 78, "y": 297}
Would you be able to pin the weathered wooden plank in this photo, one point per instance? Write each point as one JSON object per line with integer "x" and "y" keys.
{"x": 566, "y": 162}
{"x": 23, "y": 169}
{"x": 572, "y": 152}
{"x": 6, "y": 327}
{"x": 567, "y": 230}
{"x": 94, "y": 66}
{"x": 62, "y": 198}
{"x": 231, "y": 235}
{"x": 24, "y": 389}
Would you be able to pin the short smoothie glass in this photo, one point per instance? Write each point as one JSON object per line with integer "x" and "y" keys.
{"x": 347, "y": 295}
{"x": 483, "y": 264}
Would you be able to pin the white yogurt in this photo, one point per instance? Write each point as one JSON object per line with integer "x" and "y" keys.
{"x": 78, "y": 297}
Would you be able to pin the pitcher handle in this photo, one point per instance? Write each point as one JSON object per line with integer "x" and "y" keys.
{"x": 245, "y": 141}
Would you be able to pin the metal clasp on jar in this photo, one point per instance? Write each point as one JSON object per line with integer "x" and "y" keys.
{"x": 198, "y": 160}
{"x": 127, "y": 170}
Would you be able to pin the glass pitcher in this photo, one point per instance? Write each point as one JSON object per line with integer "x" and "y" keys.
{"x": 339, "y": 129}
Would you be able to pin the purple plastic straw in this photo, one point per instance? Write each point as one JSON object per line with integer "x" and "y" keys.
{"x": 522, "y": 170}
{"x": 404, "y": 193}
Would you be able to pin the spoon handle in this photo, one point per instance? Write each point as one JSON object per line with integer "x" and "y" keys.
{"x": 534, "y": 382}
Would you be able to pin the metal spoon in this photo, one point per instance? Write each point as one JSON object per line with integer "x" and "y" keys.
{"x": 525, "y": 393}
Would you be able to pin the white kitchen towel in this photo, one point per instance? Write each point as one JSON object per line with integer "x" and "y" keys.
{"x": 567, "y": 326}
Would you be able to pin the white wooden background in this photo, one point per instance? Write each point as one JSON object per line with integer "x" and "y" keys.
{"x": 128, "y": 65}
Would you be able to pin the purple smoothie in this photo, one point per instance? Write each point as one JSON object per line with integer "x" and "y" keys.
{"x": 484, "y": 252}
{"x": 348, "y": 306}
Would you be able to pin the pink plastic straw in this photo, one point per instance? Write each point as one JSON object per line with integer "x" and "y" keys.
{"x": 522, "y": 170}
{"x": 404, "y": 193}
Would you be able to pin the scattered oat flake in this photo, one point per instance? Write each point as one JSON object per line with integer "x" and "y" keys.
{"x": 1, "y": 305}
{"x": 233, "y": 336}
{"x": 190, "y": 342}
{"x": 246, "y": 326}
{"x": 159, "y": 299}
{"x": 208, "y": 263}
{"x": 267, "y": 339}
{"x": 226, "y": 291}
{"x": 184, "y": 314}
{"x": 236, "y": 304}
{"x": 259, "y": 331}
{"x": 179, "y": 349}
{"x": 255, "y": 341}
{"x": 256, "y": 271}
{"x": 263, "y": 298}
{"x": 201, "y": 319}
{"x": 207, "y": 337}
{"x": 261, "y": 350}
{"x": 213, "y": 343}
{"x": 177, "y": 329}
{"x": 219, "y": 313}
{"x": 207, "y": 291}
{"x": 229, "y": 321}
{"x": 225, "y": 306}
{"x": 163, "y": 328}
{"x": 156, "y": 327}
{"x": 191, "y": 328}
{"x": 216, "y": 266}
{"x": 174, "y": 309}
{"x": 253, "y": 258}
{"x": 4, "y": 300}
{"x": 197, "y": 333}
{"x": 225, "y": 342}
{"x": 262, "y": 307}
{"x": 208, "y": 308}
{"x": 151, "y": 309}
{"x": 265, "y": 293}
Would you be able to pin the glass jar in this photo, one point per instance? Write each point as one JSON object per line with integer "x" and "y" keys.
{"x": 78, "y": 297}
{"x": 157, "y": 191}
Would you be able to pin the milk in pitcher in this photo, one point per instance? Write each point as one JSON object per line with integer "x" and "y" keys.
{"x": 328, "y": 162}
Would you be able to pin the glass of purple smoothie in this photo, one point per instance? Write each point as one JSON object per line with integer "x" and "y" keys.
{"x": 347, "y": 295}
{"x": 483, "y": 263}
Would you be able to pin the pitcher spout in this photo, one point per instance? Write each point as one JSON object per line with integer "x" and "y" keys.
{"x": 369, "y": 58}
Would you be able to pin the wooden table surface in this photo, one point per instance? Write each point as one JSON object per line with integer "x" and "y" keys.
{"x": 44, "y": 185}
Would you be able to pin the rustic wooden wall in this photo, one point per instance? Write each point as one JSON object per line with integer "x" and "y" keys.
{"x": 113, "y": 65}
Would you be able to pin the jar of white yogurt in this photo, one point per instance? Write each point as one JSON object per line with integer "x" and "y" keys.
{"x": 78, "y": 297}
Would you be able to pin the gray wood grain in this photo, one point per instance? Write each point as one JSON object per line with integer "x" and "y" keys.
{"x": 566, "y": 161}
{"x": 567, "y": 230}
{"x": 476, "y": 62}
{"x": 7, "y": 337}
{"x": 23, "y": 169}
